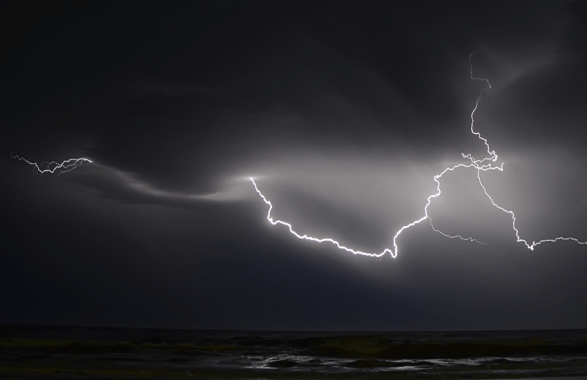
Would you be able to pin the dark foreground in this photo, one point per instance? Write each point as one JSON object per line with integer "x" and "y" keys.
{"x": 106, "y": 353}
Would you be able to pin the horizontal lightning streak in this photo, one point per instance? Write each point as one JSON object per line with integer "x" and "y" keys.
{"x": 484, "y": 164}
{"x": 53, "y": 166}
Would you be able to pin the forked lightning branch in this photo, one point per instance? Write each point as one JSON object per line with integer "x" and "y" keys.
{"x": 484, "y": 164}
{"x": 481, "y": 165}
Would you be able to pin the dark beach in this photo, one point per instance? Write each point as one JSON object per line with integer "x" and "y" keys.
{"x": 89, "y": 352}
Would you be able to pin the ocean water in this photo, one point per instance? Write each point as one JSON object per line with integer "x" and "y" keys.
{"x": 51, "y": 352}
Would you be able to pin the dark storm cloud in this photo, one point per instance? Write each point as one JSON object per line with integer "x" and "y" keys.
{"x": 319, "y": 82}
{"x": 343, "y": 113}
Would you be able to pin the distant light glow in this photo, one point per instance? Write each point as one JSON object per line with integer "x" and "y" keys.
{"x": 482, "y": 165}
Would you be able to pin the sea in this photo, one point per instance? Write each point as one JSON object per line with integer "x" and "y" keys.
{"x": 60, "y": 352}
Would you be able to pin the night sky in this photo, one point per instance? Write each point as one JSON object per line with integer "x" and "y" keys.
{"x": 343, "y": 112}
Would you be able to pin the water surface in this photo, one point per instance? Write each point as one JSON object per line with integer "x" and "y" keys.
{"x": 97, "y": 353}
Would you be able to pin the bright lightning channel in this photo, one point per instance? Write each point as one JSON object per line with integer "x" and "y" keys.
{"x": 53, "y": 166}
{"x": 484, "y": 164}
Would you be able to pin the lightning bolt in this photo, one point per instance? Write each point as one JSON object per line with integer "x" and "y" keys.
{"x": 53, "y": 166}
{"x": 481, "y": 165}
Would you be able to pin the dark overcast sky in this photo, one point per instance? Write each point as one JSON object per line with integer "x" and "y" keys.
{"x": 343, "y": 112}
